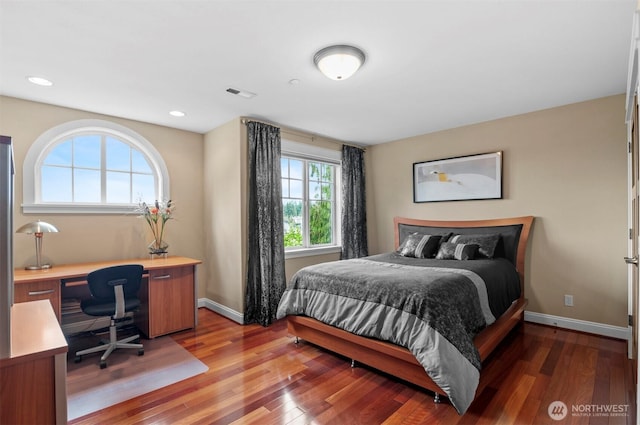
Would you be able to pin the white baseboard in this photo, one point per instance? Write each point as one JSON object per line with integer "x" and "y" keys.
{"x": 618, "y": 332}
{"x": 222, "y": 310}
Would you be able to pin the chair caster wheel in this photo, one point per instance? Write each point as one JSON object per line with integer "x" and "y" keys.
{"x": 78, "y": 359}
{"x": 103, "y": 365}
{"x": 141, "y": 352}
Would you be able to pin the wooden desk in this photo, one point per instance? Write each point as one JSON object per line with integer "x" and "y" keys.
{"x": 33, "y": 378}
{"x": 168, "y": 292}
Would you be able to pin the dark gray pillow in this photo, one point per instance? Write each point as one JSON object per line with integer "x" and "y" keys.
{"x": 445, "y": 237}
{"x": 486, "y": 243}
{"x": 419, "y": 246}
{"x": 457, "y": 251}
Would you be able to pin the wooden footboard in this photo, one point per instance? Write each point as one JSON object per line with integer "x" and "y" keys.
{"x": 393, "y": 359}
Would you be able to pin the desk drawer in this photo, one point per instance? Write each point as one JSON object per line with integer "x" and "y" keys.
{"x": 42, "y": 290}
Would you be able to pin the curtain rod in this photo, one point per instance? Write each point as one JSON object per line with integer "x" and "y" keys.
{"x": 245, "y": 121}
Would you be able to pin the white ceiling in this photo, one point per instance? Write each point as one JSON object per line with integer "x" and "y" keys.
{"x": 431, "y": 65}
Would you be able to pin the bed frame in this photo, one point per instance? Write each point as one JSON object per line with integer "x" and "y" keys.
{"x": 398, "y": 361}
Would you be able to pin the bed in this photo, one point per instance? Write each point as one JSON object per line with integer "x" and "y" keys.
{"x": 429, "y": 321}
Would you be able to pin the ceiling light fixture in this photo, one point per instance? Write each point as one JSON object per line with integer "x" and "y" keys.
{"x": 177, "y": 113}
{"x": 339, "y": 62}
{"x": 40, "y": 81}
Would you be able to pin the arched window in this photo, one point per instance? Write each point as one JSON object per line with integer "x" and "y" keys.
{"x": 92, "y": 166}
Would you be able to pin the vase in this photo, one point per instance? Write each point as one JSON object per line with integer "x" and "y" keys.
{"x": 158, "y": 247}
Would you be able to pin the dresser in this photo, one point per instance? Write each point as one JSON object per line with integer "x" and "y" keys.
{"x": 33, "y": 378}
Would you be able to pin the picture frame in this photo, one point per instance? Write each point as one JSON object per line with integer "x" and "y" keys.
{"x": 461, "y": 178}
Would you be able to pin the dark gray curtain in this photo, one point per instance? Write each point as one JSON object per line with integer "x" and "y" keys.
{"x": 265, "y": 274}
{"x": 354, "y": 215}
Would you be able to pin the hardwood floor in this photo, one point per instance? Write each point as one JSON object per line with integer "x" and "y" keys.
{"x": 259, "y": 376}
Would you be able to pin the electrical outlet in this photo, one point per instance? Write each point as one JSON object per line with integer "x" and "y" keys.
{"x": 568, "y": 300}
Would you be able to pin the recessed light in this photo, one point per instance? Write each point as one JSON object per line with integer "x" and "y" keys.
{"x": 41, "y": 81}
{"x": 177, "y": 113}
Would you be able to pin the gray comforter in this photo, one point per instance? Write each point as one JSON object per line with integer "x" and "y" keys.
{"x": 433, "y": 308}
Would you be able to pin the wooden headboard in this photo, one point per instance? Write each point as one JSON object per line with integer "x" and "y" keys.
{"x": 514, "y": 234}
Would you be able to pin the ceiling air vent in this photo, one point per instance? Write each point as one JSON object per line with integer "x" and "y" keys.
{"x": 241, "y": 93}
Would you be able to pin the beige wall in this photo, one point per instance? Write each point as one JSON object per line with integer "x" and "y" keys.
{"x": 225, "y": 198}
{"x": 566, "y": 166}
{"x": 224, "y": 206}
{"x": 97, "y": 237}
{"x": 208, "y": 186}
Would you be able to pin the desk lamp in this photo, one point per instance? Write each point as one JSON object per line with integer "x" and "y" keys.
{"x": 38, "y": 228}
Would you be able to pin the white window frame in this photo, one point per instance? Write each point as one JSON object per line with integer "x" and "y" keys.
{"x": 316, "y": 153}
{"x": 42, "y": 146}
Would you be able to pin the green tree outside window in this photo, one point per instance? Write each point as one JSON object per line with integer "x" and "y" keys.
{"x": 320, "y": 189}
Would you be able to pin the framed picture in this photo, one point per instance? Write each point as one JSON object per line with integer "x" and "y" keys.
{"x": 458, "y": 179}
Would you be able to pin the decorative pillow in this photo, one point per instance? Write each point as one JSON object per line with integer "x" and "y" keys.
{"x": 486, "y": 243}
{"x": 445, "y": 237}
{"x": 457, "y": 251}
{"x": 419, "y": 246}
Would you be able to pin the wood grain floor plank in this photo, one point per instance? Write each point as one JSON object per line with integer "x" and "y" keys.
{"x": 529, "y": 410}
{"x": 495, "y": 408}
{"x": 518, "y": 398}
{"x": 408, "y": 405}
{"x": 259, "y": 376}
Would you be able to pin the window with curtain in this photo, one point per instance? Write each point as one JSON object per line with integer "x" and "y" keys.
{"x": 310, "y": 199}
{"x": 309, "y": 203}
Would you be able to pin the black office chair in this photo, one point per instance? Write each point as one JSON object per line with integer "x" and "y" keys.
{"x": 114, "y": 292}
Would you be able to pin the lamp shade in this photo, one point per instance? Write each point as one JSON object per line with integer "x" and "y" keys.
{"x": 339, "y": 62}
{"x": 37, "y": 227}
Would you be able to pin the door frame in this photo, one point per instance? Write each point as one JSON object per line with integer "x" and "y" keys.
{"x": 633, "y": 220}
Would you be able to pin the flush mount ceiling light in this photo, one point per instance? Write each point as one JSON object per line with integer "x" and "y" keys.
{"x": 339, "y": 62}
{"x": 177, "y": 113}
